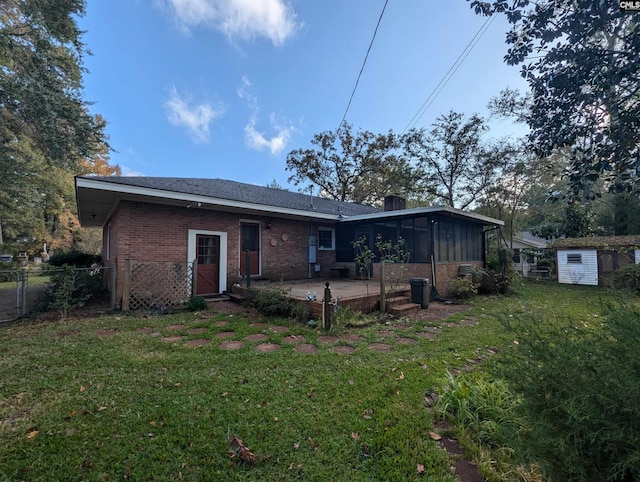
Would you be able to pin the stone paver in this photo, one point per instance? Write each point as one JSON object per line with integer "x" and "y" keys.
{"x": 171, "y": 339}
{"x": 257, "y": 337}
{"x": 144, "y": 330}
{"x": 406, "y": 341}
{"x": 379, "y": 347}
{"x": 293, "y": 339}
{"x": 305, "y": 348}
{"x": 232, "y": 345}
{"x": 427, "y": 335}
{"x": 221, "y": 323}
{"x": 225, "y": 334}
{"x": 257, "y": 325}
{"x": 197, "y": 331}
{"x": 328, "y": 339}
{"x": 343, "y": 349}
{"x": 108, "y": 332}
{"x": 267, "y": 347}
{"x": 198, "y": 342}
{"x": 352, "y": 337}
{"x": 174, "y": 327}
{"x": 278, "y": 328}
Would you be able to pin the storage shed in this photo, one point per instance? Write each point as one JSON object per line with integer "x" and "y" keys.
{"x": 594, "y": 260}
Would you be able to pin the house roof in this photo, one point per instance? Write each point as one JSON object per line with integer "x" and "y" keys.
{"x": 597, "y": 242}
{"x": 97, "y": 197}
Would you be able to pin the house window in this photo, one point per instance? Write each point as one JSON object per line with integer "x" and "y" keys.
{"x": 575, "y": 258}
{"x": 326, "y": 239}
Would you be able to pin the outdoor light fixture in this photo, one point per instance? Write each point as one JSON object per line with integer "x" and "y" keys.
{"x": 269, "y": 225}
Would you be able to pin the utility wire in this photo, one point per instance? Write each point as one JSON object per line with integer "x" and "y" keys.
{"x": 355, "y": 87}
{"x": 452, "y": 70}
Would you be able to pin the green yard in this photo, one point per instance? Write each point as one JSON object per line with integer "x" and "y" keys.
{"x": 102, "y": 399}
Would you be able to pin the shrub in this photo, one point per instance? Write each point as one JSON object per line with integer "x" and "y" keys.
{"x": 463, "y": 288}
{"x": 197, "y": 303}
{"x": 270, "y": 301}
{"x": 579, "y": 385}
{"x": 628, "y": 278}
{"x": 7, "y": 271}
{"x": 65, "y": 291}
{"x": 300, "y": 312}
{"x": 75, "y": 258}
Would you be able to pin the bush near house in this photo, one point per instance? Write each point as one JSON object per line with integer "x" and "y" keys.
{"x": 628, "y": 278}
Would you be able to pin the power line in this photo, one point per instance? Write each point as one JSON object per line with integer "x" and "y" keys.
{"x": 452, "y": 70}
{"x": 355, "y": 87}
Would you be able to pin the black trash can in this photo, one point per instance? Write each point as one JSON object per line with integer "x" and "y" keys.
{"x": 420, "y": 291}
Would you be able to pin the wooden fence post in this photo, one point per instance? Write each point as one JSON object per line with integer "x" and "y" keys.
{"x": 326, "y": 308}
{"x": 126, "y": 289}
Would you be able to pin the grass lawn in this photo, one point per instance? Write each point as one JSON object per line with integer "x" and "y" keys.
{"x": 79, "y": 405}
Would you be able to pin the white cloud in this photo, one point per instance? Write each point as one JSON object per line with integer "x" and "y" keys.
{"x": 195, "y": 117}
{"x": 238, "y": 19}
{"x": 127, "y": 171}
{"x": 256, "y": 140}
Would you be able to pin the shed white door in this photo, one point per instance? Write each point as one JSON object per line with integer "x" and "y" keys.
{"x": 578, "y": 266}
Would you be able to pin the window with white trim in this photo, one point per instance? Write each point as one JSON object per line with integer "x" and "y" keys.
{"x": 574, "y": 258}
{"x": 326, "y": 239}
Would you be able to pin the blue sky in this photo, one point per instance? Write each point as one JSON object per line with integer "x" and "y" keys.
{"x": 226, "y": 88}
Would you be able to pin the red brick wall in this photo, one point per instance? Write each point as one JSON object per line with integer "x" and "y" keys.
{"x": 144, "y": 232}
{"x": 445, "y": 272}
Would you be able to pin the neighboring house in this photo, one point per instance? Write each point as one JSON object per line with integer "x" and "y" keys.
{"x": 525, "y": 249}
{"x": 593, "y": 260}
{"x": 225, "y": 225}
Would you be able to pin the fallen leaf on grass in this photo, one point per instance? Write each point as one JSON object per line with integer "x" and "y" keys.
{"x": 367, "y": 414}
{"x": 239, "y": 449}
{"x": 32, "y": 433}
{"x": 435, "y": 436}
{"x": 296, "y": 446}
{"x": 100, "y": 409}
{"x": 420, "y": 469}
{"x": 355, "y": 436}
{"x": 81, "y": 389}
{"x": 401, "y": 377}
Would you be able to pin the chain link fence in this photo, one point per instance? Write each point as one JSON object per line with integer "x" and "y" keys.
{"x": 24, "y": 291}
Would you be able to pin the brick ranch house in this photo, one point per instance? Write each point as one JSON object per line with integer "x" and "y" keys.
{"x": 287, "y": 235}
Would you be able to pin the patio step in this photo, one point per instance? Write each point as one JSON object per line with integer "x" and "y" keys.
{"x": 402, "y": 306}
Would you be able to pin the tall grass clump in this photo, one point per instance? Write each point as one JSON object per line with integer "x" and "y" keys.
{"x": 580, "y": 384}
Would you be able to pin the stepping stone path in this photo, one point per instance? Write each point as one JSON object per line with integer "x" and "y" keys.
{"x": 427, "y": 333}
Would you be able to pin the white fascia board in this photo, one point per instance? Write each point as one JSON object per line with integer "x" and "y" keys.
{"x": 194, "y": 198}
{"x": 427, "y": 210}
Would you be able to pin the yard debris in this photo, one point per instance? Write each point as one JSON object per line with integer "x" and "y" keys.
{"x": 239, "y": 449}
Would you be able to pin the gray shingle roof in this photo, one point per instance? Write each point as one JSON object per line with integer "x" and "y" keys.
{"x": 241, "y": 192}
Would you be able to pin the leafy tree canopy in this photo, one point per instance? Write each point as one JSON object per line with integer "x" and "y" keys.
{"x": 47, "y": 134}
{"x": 580, "y": 59}
{"x": 361, "y": 167}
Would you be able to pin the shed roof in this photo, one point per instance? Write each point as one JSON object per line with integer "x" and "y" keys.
{"x": 597, "y": 242}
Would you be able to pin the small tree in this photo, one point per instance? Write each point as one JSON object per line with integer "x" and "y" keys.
{"x": 393, "y": 254}
{"x": 364, "y": 260}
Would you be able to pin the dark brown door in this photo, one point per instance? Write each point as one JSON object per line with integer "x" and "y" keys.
{"x": 208, "y": 274}
{"x": 250, "y": 240}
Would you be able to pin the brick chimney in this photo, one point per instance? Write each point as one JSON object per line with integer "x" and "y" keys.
{"x": 394, "y": 203}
